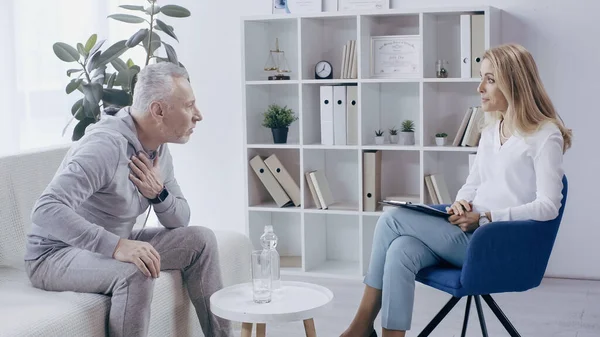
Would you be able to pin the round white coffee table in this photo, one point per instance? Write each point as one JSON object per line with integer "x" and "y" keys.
{"x": 295, "y": 301}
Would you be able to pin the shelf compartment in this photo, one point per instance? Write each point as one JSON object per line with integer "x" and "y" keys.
{"x": 331, "y": 244}
{"x": 259, "y": 198}
{"x": 340, "y": 168}
{"x": 387, "y": 105}
{"x": 323, "y": 38}
{"x": 288, "y": 228}
{"x": 400, "y": 172}
{"x": 258, "y": 98}
{"x": 441, "y": 36}
{"x": 452, "y": 166}
{"x": 383, "y": 25}
{"x": 444, "y": 106}
{"x": 260, "y": 36}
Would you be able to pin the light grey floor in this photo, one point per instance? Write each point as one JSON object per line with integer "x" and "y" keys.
{"x": 557, "y": 308}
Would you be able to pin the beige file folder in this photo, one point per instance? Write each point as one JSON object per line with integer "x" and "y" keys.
{"x": 371, "y": 180}
{"x": 322, "y": 188}
{"x": 352, "y": 115}
{"x": 284, "y": 178}
{"x": 270, "y": 183}
{"x": 477, "y": 42}
{"x": 312, "y": 189}
{"x": 431, "y": 190}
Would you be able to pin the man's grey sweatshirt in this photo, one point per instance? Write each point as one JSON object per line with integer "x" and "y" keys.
{"x": 91, "y": 201}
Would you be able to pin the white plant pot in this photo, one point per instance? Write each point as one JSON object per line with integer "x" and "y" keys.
{"x": 440, "y": 141}
{"x": 379, "y": 140}
{"x": 394, "y": 139}
{"x": 407, "y": 138}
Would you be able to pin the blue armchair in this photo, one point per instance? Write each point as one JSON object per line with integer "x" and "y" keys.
{"x": 505, "y": 256}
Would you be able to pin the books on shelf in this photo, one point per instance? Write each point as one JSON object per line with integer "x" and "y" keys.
{"x": 319, "y": 189}
{"x": 277, "y": 180}
{"x": 349, "y": 61}
{"x": 438, "y": 189}
{"x": 469, "y": 131}
{"x": 339, "y": 114}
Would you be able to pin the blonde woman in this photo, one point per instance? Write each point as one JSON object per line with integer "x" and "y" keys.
{"x": 517, "y": 175}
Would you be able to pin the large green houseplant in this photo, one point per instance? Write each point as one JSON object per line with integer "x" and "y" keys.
{"x": 107, "y": 89}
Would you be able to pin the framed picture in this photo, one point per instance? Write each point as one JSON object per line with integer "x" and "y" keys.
{"x": 396, "y": 56}
{"x": 361, "y": 5}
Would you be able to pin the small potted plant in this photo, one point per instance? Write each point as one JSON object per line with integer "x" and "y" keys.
{"x": 408, "y": 132}
{"x": 278, "y": 119}
{"x": 394, "y": 135}
{"x": 440, "y": 138}
{"x": 379, "y": 138}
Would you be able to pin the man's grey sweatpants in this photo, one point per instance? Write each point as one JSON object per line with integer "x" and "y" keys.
{"x": 406, "y": 241}
{"x": 193, "y": 250}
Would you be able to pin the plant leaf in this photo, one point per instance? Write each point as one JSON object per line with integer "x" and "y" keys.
{"x": 133, "y": 7}
{"x": 175, "y": 11}
{"x": 92, "y": 62}
{"x": 93, "y": 95}
{"x": 171, "y": 54}
{"x": 73, "y": 85}
{"x": 76, "y": 109}
{"x": 152, "y": 9}
{"x": 165, "y": 28}
{"x": 97, "y": 75}
{"x": 81, "y": 50}
{"x": 112, "y": 53}
{"x": 136, "y": 38}
{"x": 130, "y": 63}
{"x": 91, "y": 42}
{"x": 79, "y": 130}
{"x": 127, "y": 18}
{"x": 111, "y": 80}
{"x": 116, "y": 97}
{"x": 97, "y": 46}
{"x": 155, "y": 43}
{"x": 65, "y": 52}
{"x": 72, "y": 71}
{"x": 119, "y": 64}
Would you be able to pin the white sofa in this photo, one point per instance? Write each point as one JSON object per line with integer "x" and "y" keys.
{"x": 27, "y": 311}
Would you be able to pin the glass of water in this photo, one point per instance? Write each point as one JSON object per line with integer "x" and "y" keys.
{"x": 261, "y": 276}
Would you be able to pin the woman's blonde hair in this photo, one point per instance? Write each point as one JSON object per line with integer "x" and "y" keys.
{"x": 517, "y": 77}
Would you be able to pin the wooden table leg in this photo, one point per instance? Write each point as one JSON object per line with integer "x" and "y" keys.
{"x": 309, "y": 327}
{"x": 246, "y": 329}
{"x": 261, "y": 329}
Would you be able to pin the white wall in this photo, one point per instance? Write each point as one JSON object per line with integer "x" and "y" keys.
{"x": 563, "y": 37}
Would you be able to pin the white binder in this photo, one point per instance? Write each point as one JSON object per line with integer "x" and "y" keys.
{"x": 352, "y": 115}
{"x": 284, "y": 178}
{"x": 339, "y": 115}
{"x": 477, "y": 42}
{"x": 465, "y": 46}
{"x": 371, "y": 180}
{"x": 266, "y": 177}
{"x": 326, "y": 95}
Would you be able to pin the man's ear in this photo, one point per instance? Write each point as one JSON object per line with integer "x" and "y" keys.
{"x": 156, "y": 110}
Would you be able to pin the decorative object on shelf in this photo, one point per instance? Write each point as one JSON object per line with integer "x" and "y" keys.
{"x": 277, "y": 62}
{"x": 278, "y": 119}
{"x": 394, "y": 135}
{"x": 361, "y": 5}
{"x": 396, "y": 56}
{"x": 106, "y": 91}
{"x": 297, "y": 6}
{"x": 440, "y": 138}
{"x": 408, "y": 132}
{"x": 323, "y": 70}
{"x": 280, "y": 6}
{"x": 379, "y": 138}
{"x": 441, "y": 70}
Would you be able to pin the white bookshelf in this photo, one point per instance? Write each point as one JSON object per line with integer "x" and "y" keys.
{"x": 337, "y": 242}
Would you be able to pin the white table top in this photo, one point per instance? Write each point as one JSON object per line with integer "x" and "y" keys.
{"x": 295, "y": 301}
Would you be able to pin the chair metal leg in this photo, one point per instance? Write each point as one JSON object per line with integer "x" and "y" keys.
{"x": 439, "y": 317}
{"x": 466, "y": 321}
{"x": 481, "y": 318}
{"x": 503, "y": 319}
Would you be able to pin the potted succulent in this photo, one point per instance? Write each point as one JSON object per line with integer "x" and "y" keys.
{"x": 408, "y": 132}
{"x": 379, "y": 138}
{"x": 440, "y": 138}
{"x": 394, "y": 135}
{"x": 278, "y": 119}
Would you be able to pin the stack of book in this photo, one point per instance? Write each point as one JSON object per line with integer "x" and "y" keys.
{"x": 276, "y": 179}
{"x": 469, "y": 131}
{"x": 349, "y": 61}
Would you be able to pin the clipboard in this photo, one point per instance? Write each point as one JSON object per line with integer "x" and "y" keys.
{"x": 417, "y": 207}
